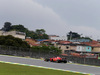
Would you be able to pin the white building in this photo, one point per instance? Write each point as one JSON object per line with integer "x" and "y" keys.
{"x": 17, "y": 34}
{"x": 83, "y": 48}
{"x": 58, "y": 38}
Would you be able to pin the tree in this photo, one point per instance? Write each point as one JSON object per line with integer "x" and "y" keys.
{"x": 40, "y": 31}
{"x": 41, "y": 34}
{"x": 86, "y": 38}
{"x": 73, "y": 35}
{"x": 19, "y": 27}
{"x": 38, "y": 34}
{"x": 7, "y": 26}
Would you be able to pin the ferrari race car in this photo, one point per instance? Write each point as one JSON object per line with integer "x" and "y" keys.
{"x": 56, "y": 59}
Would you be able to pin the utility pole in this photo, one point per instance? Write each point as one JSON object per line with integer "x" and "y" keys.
{"x": 71, "y": 36}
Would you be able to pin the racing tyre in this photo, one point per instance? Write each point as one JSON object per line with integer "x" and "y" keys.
{"x": 65, "y": 61}
{"x": 58, "y": 61}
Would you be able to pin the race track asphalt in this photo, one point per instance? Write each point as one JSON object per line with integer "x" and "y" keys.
{"x": 37, "y": 62}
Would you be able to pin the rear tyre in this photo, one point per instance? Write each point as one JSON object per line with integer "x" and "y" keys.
{"x": 58, "y": 61}
{"x": 65, "y": 61}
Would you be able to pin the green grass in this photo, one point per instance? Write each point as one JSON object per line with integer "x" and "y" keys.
{"x": 11, "y": 69}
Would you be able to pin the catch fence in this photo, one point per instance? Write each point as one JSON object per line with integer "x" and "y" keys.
{"x": 24, "y": 52}
{"x": 83, "y": 60}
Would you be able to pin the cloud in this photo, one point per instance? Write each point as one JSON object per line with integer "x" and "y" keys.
{"x": 32, "y": 15}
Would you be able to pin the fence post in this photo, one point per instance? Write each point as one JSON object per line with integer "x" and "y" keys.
{"x": 84, "y": 60}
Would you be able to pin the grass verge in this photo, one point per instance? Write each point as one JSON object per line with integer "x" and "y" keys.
{"x": 11, "y": 69}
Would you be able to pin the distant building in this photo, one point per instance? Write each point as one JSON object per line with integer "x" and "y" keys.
{"x": 55, "y": 37}
{"x": 31, "y": 42}
{"x": 94, "y": 44}
{"x": 66, "y": 48}
{"x": 17, "y": 34}
{"x": 80, "y": 40}
{"x": 83, "y": 48}
{"x": 71, "y": 47}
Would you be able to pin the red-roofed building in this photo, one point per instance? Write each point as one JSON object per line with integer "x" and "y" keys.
{"x": 94, "y": 44}
{"x": 91, "y": 43}
{"x": 31, "y": 42}
{"x": 64, "y": 42}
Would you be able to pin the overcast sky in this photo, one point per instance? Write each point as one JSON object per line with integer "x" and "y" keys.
{"x": 55, "y": 16}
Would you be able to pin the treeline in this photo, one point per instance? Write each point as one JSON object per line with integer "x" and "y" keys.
{"x": 37, "y": 34}
{"x": 73, "y": 35}
{"x": 12, "y": 41}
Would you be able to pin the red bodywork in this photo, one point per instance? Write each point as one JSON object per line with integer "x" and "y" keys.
{"x": 55, "y": 58}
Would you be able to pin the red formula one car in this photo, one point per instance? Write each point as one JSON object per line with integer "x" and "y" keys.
{"x": 56, "y": 59}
